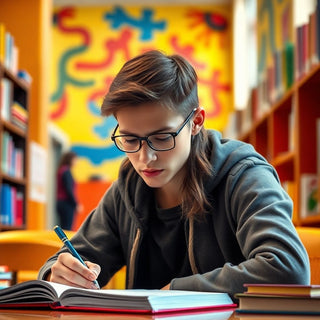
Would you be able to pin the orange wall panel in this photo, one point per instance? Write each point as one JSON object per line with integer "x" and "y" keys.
{"x": 89, "y": 195}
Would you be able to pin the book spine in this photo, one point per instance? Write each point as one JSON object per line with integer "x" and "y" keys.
{"x": 12, "y": 157}
{"x": 308, "y": 195}
{"x": 317, "y": 29}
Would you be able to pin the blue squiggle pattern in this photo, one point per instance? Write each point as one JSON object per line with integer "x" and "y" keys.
{"x": 98, "y": 155}
{"x": 145, "y": 24}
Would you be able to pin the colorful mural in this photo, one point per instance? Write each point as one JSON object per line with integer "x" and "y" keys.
{"x": 274, "y": 29}
{"x": 90, "y": 44}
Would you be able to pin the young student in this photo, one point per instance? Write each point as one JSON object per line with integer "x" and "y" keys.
{"x": 190, "y": 209}
{"x": 67, "y": 202}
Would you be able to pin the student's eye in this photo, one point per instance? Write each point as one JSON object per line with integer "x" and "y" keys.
{"x": 129, "y": 140}
{"x": 161, "y": 137}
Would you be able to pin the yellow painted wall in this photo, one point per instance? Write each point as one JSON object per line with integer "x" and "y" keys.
{"x": 30, "y": 24}
{"x": 90, "y": 44}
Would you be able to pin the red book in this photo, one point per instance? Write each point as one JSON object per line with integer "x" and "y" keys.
{"x": 19, "y": 209}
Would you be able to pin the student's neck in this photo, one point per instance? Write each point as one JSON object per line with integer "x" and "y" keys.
{"x": 167, "y": 198}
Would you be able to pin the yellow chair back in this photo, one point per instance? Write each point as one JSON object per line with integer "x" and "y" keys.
{"x": 25, "y": 251}
{"x": 310, "y": 237}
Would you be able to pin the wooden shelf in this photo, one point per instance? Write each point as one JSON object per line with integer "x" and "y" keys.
{"x": 286, "y": 136}
{"x": 311, "y": 221}
{"x": 283, "y": 159}
{"x": 14, "y": 129}
{"x": 12, "y": 179}
{"x": 14, "y": 145}
{"x": 4, "y": 227}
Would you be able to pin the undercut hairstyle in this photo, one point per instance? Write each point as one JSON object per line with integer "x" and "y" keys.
{"x": 170, "y": 82}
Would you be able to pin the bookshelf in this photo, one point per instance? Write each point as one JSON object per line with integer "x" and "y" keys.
{"x": 286, "y": 135}
{"x": 282, "y": 116}
{"x": 14, "y": 104}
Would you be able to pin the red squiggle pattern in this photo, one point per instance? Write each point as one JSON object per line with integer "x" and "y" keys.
{"x": 112, "y": 46}
{"x": 101, "y": 92}
{"x": 62, "y": 107}
{"x": 68, "y": 12}
{"x": 215, "y": 88}
{"x": 186, "y": 51}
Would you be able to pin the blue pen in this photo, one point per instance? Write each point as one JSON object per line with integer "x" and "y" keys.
{"x": 63, "y": 237}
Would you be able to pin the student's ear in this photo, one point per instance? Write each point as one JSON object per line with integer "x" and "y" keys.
{"x": 198, "y": 120}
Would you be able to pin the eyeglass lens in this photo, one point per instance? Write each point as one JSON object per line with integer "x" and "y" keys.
{"x": 159, "y": 141}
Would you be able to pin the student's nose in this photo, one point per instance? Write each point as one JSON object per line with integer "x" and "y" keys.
{"x": 146, "y": 153}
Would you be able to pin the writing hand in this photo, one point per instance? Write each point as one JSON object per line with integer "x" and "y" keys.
{"x": 167, "y": 287}
{"x": 70, "y": 271}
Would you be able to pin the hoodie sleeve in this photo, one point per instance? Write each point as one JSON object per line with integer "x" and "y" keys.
{"x": 97, "y": 240}
{"x": 253, "y": 222}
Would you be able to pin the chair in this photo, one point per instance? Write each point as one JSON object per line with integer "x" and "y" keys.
{"x": 310, "y": 237}
{"x": 25, "y": 251}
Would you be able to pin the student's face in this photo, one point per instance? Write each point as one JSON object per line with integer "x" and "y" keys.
{"x": 156, "y": 168}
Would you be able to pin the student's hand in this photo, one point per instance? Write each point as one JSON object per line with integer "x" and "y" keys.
{"x": 167, "y": 287}
{"x": 70, "y": 271}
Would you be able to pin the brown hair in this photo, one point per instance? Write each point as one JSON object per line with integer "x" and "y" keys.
{"x": 67, "y": 158}
{"x": 171, "y": 82}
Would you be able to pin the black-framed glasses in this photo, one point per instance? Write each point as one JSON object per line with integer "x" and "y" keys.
{"x": 162, "y": 141}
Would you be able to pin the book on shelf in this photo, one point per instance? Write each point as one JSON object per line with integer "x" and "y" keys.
{"x": 12, "y": 157}
{"x": 11, "y": 53}
{"x": 318, "y": 146}
{"x": 11, "y": 205}
{"x": 317, "y": 30}
{"x": 5, "y": 103}
{"x": 308, "y": 194}
{"x": 40, "y": 293}
{"x": 288, "y": 65}
{"x": 2, "y": 42}
{"x": 19, "y": 115}
{"x": 307, "y": 46}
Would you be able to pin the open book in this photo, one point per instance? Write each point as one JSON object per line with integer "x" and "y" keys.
{"x": 40, "y": 293}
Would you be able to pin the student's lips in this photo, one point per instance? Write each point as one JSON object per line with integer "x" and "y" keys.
{"x": 151, "y": 172}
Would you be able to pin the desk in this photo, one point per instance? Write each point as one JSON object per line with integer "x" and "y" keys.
{"x": 11, "y": 314}
{"x": 14, "y": 314}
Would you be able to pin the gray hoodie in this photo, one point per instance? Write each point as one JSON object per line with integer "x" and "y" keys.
{"x": 247, "y": 237}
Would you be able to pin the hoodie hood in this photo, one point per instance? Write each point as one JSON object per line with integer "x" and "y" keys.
{"x": 226, "y": 153}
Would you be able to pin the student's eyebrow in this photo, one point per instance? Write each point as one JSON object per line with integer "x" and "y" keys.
{"x": 164, "y": 129}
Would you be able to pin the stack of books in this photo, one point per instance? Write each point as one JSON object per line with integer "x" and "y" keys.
{"x": 5, "y": 277}
{"x": 280, "y": 299}
{"x": 19, "y": 115}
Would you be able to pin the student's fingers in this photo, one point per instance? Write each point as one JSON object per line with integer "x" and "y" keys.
{"x": 94, "y": 267}
{"x": 167, "y": 287}
{"x": 68, "y": 270}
